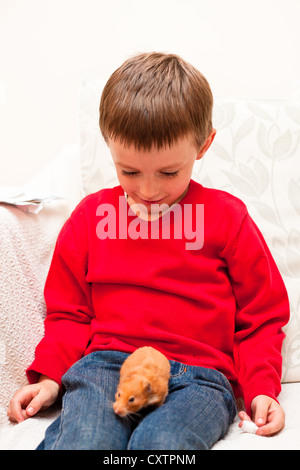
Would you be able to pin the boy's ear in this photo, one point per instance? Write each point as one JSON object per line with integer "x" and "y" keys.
{"x": 206, "y": 144}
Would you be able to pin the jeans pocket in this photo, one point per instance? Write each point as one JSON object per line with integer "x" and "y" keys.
{"x": 177, "y": 369}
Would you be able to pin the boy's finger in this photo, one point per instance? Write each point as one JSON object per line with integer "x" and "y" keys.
{"x": 34, "y": 406}
{"x": 261, "y": 413}
{"x": 15, "y": 411}
{"x": 18, "y": 402}
{"x": 276, "y": 422}
{"x": 270, "y": 428}
{"x": 243, "y": 417}
{"x": 41, "y": 400}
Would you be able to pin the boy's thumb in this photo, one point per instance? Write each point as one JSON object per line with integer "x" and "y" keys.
{"x": 42, "y": 400}
{"x": 33, "y": 407}
{"x": 261, "y": 412}
{"x": 30, "y": 410}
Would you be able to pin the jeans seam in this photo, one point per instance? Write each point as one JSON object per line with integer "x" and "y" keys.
{"x": 60, "y": 424}
{"x": 180, "y": 373}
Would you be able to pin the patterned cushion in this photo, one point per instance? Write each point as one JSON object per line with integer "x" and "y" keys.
{"x": 255, "y": 156}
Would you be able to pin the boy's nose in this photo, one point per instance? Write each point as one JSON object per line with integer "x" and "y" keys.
{"x": 149, "y": 191}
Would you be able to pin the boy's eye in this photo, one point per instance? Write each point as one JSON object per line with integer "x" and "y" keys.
{"x": 164, "y": 173}
{"x": 170, "y": 173}
{"x": 129, "y": 173}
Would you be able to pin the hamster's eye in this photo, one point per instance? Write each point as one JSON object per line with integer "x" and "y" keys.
{"x": 119, "y": 394}
{"x": 131, "y": 399}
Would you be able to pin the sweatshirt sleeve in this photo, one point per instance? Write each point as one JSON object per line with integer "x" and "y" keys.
{"x": 262, "y": 309}
{"x": 68, "y": 302}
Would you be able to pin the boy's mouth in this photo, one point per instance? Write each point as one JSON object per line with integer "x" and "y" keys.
{"x": 151, "y": 201}
{"x": 147, "y": 202}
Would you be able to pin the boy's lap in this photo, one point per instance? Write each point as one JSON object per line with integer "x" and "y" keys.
{"x": 193, "y": 416}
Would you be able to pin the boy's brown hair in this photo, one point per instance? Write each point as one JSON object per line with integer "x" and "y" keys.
{"x": 154, "y": 99}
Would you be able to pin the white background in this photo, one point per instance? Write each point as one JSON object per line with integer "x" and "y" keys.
{"x": 245, "y": 48}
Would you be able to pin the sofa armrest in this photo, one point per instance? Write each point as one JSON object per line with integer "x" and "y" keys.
{"x": 26, "y": 245}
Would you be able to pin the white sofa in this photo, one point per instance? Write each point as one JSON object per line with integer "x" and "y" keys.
{"x": 256, "y": 156}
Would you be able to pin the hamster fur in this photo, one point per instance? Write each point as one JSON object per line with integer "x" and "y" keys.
{"x": 144, "y": 379}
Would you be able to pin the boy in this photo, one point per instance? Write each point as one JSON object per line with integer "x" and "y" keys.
{"x": 125, "y": 274}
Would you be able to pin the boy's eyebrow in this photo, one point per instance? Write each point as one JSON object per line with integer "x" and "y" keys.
{"x": 172, "y": 166}
{"x": 169, "y": 167}
{"x": 126, "y": 166}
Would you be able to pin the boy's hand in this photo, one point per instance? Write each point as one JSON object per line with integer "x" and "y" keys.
{"x": 267, "y": 414}
{"x": 30, "y": 399}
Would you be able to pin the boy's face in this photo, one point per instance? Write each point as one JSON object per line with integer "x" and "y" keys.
{"x": 156, "y": 176}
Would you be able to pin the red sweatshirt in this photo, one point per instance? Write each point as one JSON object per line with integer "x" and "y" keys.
{"x": 116, "y": 283}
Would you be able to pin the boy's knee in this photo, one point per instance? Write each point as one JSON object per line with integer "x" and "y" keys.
{"x": 156, "y": 440}
{"x": 161, "y": 439}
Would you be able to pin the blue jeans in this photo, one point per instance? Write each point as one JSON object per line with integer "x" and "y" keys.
{"x": 197, "y": 411}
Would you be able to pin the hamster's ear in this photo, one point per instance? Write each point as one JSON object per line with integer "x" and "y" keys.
{"x": 147, "y": 387}
{"x": 153, "y": 400}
